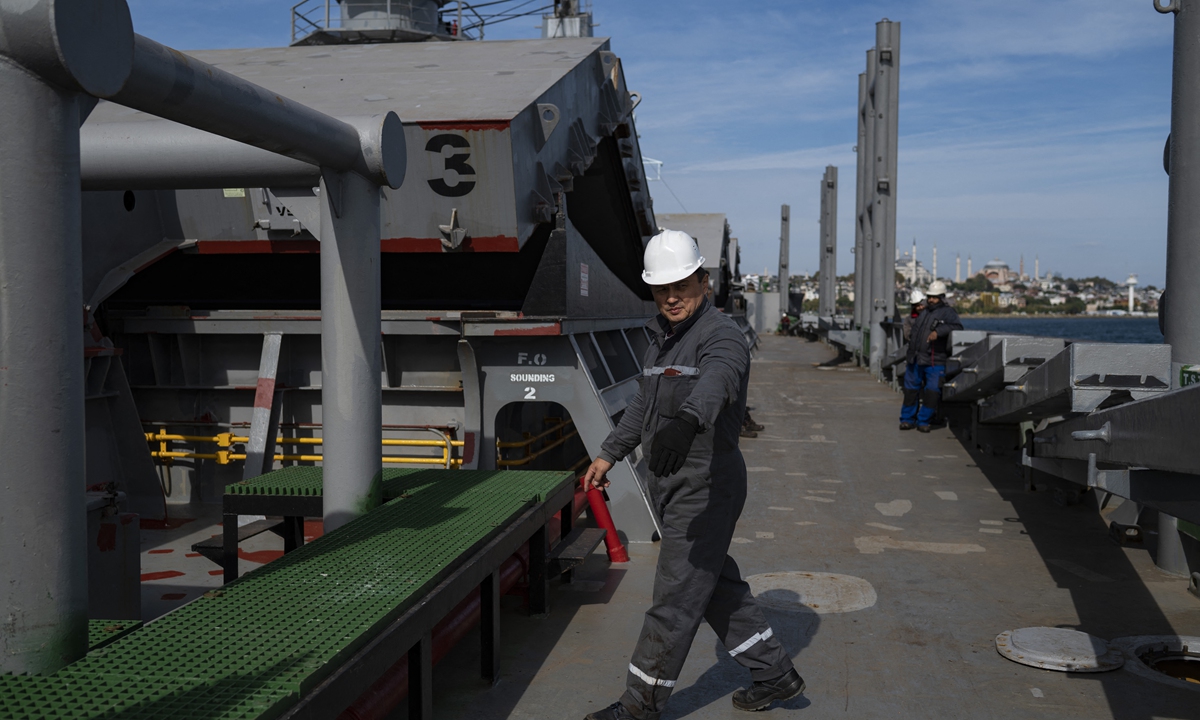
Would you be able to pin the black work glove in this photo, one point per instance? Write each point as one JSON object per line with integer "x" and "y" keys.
{"x": 671, "y": 445}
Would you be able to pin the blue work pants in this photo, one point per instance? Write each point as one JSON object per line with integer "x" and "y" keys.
{"x": 922, "y": 391}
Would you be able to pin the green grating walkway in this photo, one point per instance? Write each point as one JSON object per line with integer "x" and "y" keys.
{"x": 102, "y": 632}
{"x": 305, "y": 481}
{"x": 250, "y": 649}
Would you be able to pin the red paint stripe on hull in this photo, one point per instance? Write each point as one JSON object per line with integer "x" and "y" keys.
{"x": 489, "y": 243}
{"x": 555, "y": 329}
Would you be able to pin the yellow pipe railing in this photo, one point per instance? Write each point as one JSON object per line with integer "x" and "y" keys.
{"x": 227, "y": 440}
{"x": 530, "y": 454}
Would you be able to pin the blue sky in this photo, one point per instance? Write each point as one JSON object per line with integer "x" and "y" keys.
{"x": 1026, "y": 127}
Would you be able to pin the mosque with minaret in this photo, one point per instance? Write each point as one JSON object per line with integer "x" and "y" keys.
{"x": 916, "y": 274}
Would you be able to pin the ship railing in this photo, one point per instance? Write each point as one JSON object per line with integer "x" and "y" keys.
{"x": 549, "y": 439}
{"x": 228, "y": 448}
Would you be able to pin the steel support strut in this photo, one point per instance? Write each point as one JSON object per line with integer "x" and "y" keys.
{"x": 351, "y": 360}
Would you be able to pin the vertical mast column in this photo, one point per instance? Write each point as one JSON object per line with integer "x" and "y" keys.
{"x": 1182, "y": 311}
{"x": 828, "y": 286}
{"x": 351, "y": 361}
{"x": 859, "y": 179}
{"x": 785, "y": 241}
{"x": 867, "y": 152}
{"x": 49, "y": 53}
{"x": 42, "y": 519}
{"x": 1182, "y": 321}
{"x": 883, "y": 218}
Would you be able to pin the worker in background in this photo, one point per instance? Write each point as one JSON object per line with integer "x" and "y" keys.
{"x": 916, "y": 300}
{"x": 687, "y": 412}
{"x": 912, "y": 377}
{"x": 926, "y": 359}
{"x": 785, "y": 325}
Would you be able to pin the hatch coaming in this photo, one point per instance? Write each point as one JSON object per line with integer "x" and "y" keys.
{"x": 484, "y": 170}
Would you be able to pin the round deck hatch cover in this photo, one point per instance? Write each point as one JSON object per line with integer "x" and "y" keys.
{"x": 1058, "y": 649}
{"x": 815, "y": 592}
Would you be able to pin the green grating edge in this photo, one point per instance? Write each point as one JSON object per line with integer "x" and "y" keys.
{"x": 251, "y": 648}
{"x": 102, "y": 632}
{"x": 306, "y": 481}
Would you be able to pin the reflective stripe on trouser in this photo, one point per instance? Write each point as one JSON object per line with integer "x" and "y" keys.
{"x": 697, "y": 579}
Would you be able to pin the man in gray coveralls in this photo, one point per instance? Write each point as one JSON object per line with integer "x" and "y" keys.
{"x": 687, "y": 412}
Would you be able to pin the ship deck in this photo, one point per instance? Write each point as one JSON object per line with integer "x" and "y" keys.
{"x": 831, "y": 482}
{"x": 953, "y": 547}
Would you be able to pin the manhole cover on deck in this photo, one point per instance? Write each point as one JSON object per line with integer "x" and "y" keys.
{"x": 815, "y": 592}
{"x": 1170, "y": 659}
{"x": 1058, "y": 649}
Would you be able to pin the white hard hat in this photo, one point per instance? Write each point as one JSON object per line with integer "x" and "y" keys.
{"x": 916, "y": 297}
{"x": 937, "y": 287}
{"x": 670, "y": 256}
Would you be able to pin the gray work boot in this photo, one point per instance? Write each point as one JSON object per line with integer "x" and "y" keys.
{"x": 760, "y": 695}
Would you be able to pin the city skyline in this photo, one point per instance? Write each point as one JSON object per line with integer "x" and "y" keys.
{"x": 1034, "y": 126}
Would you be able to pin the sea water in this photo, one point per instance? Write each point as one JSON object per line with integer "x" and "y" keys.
{"x": 1089, "y": 329}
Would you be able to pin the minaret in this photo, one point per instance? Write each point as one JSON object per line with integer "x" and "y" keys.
{"x": 957, "y": 267}
{"x": 1021, "y": 275}
{"x": 934, "y": 269}
{"x": 1037, "y": 269}
{"x": 969, "y": 276}
{"x": 913, "y": 262}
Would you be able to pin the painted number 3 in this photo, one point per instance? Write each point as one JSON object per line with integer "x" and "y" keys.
{"x": 530, "y": 393}
{"x": 455, "y": 161}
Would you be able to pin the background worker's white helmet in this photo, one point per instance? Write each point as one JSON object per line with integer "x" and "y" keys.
{"x": 916, "y": 297}
{"x": 670, "y": 256}
{"x": 937, "y": 287}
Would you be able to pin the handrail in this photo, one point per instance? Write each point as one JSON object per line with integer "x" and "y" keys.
{"x": 534, "y": 438}
{"x": 530, "y": 457}
{"x": 225, "y": 456}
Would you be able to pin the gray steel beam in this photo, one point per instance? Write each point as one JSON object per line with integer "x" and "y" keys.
{"x": 988, "y": 366}
{"x": 1154, "y": 433}
{"x": 859, "y": 203}
{"x": 883, "y": 216}
{"x": 169, "y": 84}
{"x": 163, "y": 155}
{"x": 1182, "y": 321}
{"x": 785, "y": 242}
{"x": 1080, "y": 379}
{"x": 828, "y": 244}
{"x": 351, "y": 352}
{"x": 50, "y": 51}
